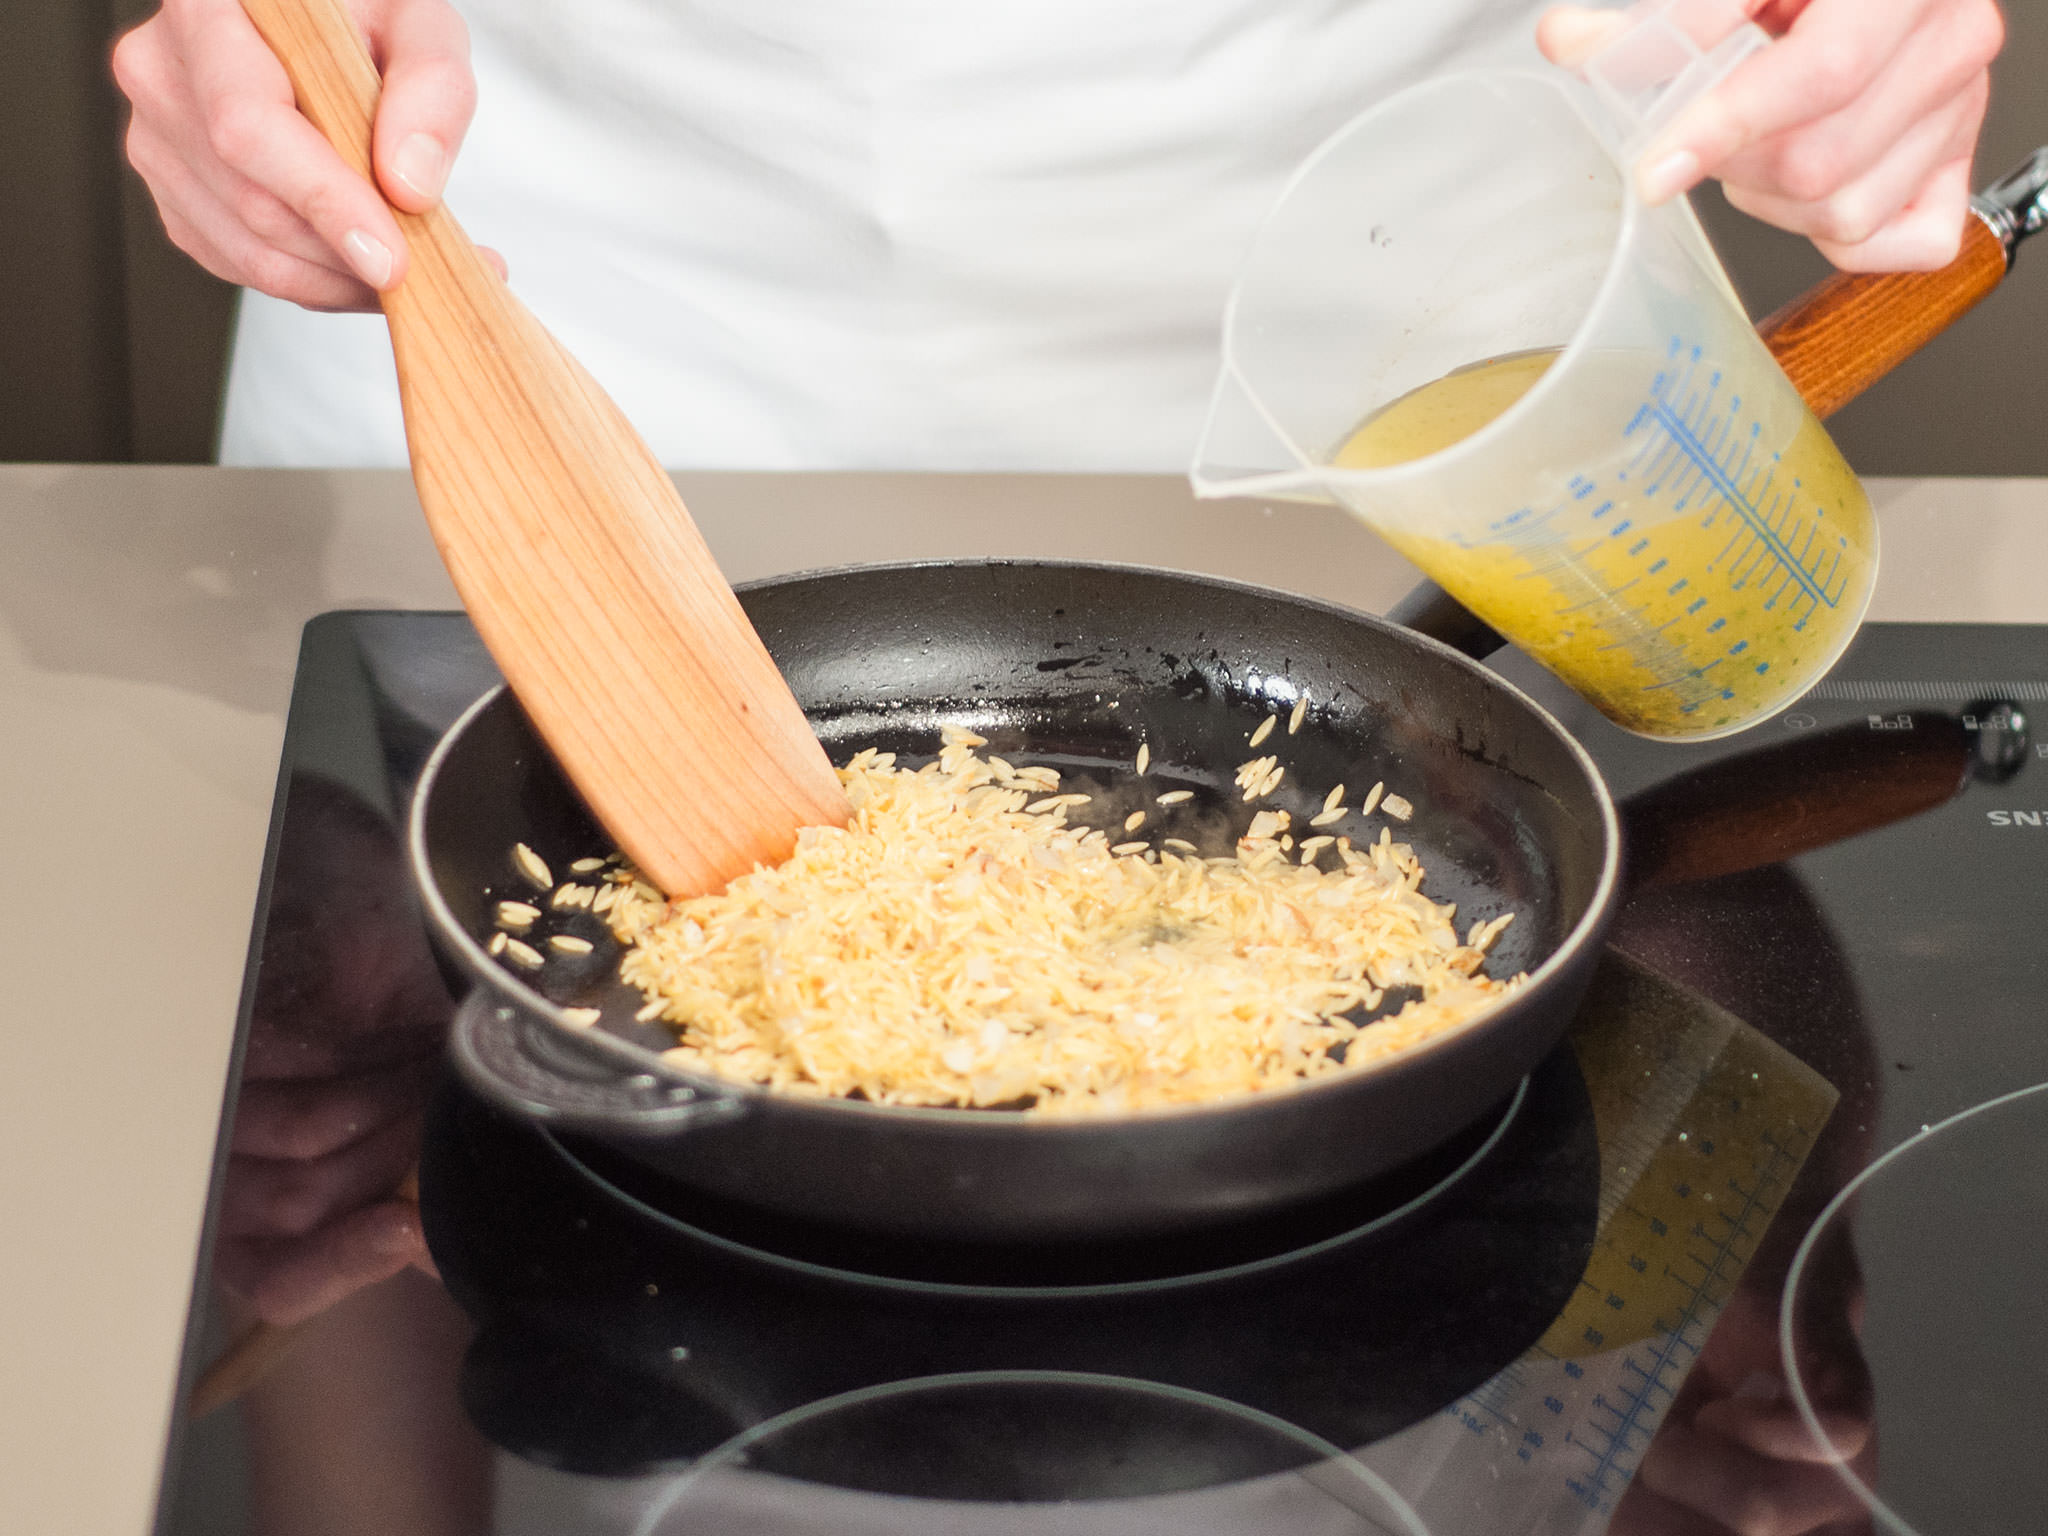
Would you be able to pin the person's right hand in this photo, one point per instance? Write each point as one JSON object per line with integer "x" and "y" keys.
{"x": 248, "y": 187}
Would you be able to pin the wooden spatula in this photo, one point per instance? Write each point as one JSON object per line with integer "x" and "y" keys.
{"x": 572, "y": 550}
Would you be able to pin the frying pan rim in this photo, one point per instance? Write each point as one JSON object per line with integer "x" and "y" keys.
{"x": 631, "y": 1058}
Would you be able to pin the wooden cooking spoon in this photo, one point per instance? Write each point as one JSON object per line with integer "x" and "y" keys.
{"x": 571, "y": 548}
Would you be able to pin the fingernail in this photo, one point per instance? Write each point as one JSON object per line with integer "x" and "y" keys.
{"x": 422, "y": 165}
{"x": 1665, "y": 178}
{"x": 1571, "y": 34}
{"x": 368, "y": 256}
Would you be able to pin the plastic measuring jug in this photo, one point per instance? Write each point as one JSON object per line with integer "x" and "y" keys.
{"x": 1461, "y": 324}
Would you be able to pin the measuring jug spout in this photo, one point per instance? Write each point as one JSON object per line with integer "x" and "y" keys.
{"x": 1244, "y": 452}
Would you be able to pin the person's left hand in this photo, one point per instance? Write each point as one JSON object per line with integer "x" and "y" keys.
{"x": 345, "y": 1037}
{"x": 1855, "y": 128}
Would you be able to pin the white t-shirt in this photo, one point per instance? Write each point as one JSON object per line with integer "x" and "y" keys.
{"x": 905, "y": 234}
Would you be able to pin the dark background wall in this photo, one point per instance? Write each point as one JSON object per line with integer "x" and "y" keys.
{"x": 112, "y": 343}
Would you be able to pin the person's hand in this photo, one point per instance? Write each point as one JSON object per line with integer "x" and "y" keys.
{"x": 248, "y": 187}
{"x": 1855, "y": 128}
{"x": 319, "y": 1199}
{"x": 345, "y": 1036}
{"x": 1733, "y": 1456}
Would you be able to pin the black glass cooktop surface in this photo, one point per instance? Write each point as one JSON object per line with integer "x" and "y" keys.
{"x": 1565, "y": 1320}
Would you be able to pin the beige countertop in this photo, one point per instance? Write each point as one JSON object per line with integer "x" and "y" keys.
{"x": 149, "y": 620}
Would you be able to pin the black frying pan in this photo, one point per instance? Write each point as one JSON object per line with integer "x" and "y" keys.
{"x": 1075, "y": 665}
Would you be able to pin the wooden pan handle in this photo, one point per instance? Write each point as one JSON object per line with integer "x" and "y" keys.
{"x": 1766, "y": 806}
{"x": 1839, "y": 338}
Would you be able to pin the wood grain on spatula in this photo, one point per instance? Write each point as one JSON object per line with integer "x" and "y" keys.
{"x": 569, "y": 544}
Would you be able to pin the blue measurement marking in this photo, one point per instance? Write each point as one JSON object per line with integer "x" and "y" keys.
{"x": 1696, "y": 452}
{"x": 1610, "y": 1472}
{"x": 1710, "y": 439}
{"x": 1686, "y": 677}
{"x": 1768, "y": 531}
{"x": 1750, "y": 441}
{"x": 1749, "y": 447}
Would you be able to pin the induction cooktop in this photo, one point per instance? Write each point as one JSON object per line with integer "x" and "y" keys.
{"x": 1566, "y": 1320}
